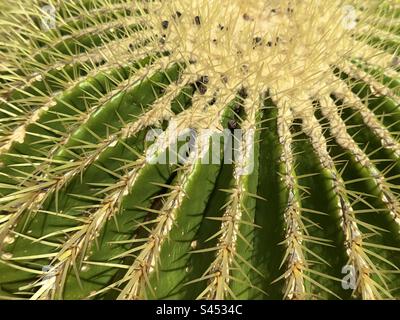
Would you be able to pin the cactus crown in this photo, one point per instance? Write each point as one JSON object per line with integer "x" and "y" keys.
{"x": 92, "y": 92}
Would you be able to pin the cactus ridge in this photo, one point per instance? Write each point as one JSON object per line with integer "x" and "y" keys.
{"x": 309, "y": 208}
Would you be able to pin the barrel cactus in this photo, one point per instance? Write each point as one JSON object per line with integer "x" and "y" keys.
{"x": 115, "y": 183}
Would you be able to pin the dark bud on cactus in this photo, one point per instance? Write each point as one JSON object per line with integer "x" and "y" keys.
{"x": 165, "y": 24}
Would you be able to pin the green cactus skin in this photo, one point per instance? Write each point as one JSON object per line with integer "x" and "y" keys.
{"x": 314, "y": 86}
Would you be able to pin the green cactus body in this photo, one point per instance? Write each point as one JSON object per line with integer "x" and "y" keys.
{"x": 112, "y": 185}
